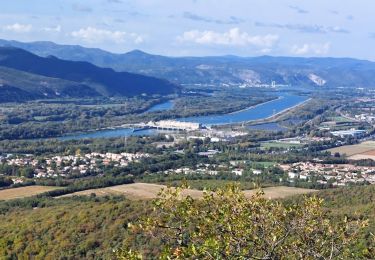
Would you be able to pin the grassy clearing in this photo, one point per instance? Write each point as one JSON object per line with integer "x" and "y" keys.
{"x": 132, "y": 191}
{"x": 264, "y": 164}
{"x": 142, "y": 191}
{"x": 23, "y": 192}
{"x": 340, "y": 119}
{"x": 40, "y": 118}
{"x": 284, "y": 145}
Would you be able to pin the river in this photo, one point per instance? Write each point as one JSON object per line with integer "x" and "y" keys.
{"x": 261, "y": 111}
{"x": 161, "y": 107}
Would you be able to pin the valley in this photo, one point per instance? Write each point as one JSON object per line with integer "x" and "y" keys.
{"x": 83, "y": 145}
{"x": 220, "y": 71}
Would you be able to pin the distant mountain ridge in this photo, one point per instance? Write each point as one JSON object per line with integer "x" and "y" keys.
{"x": 221, "y": 70}
{"x": 23, "y": 74}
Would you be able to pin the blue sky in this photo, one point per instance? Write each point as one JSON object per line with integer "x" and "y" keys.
{"x": 307, "y": 28}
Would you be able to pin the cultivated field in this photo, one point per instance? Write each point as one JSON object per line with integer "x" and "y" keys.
{"x": 150, "y": 191}
{"x": 23, "y": 192}
{"x": 350, "y": 150}
{"x": 133, "y": 191}
{"x": 365, "y": 155}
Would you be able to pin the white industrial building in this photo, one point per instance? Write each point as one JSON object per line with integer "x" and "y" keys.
{"x": 351, "y": 132}
{"x": 175, "y": 125}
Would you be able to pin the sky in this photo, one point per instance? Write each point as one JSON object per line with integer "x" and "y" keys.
{"x": 309, "y": 28}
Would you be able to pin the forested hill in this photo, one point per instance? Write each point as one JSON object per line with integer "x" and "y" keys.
{"x": 26, "y": 76}
{"x": 298, "y": 72}
{"x": 91, "y": 227}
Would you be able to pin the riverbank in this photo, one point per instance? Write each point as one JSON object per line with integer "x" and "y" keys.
{"x": 255, "y": 106}
{"x": 262, "y": 112}
{"x": 274, "y": 117}
{"x": 289, "y": 109}
{"x": 259, "y": 112}
{"x": 127, "y": 127}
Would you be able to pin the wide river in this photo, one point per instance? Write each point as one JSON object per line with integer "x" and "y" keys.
{"x": 261, "y": 111}
{"x": 161, "y": 107}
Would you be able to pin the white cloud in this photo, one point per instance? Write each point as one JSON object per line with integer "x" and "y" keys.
{"x": 232, "y": 37}
{"x": 265, "y": 50}
{"x": 95, "y": 35}
{"x": 311, "y": 48}
{"x": 18, "y": 28}
{"x": 52, "y": 29}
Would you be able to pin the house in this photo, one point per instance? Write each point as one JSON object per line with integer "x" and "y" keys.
{"x": 293, "y": 175}
{"x": 257, "y": 172}
{"x": 237, "y": 172}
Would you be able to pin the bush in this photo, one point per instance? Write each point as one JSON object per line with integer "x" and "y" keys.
{"x": 226, "y": 225}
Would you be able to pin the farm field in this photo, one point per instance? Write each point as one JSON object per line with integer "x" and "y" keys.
{"x": 150, "y": 191}
{"x": 23, "y": 192}
{"x": 363, "y": 156}
{"x": 133, "y": 191}
{"x": 357, "y": 150}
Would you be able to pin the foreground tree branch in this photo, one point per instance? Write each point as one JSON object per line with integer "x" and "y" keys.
{"x": 226, "y": 225}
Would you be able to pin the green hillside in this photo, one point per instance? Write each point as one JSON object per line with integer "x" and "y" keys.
{"x": 18, "y": 85}
{"x": 355, "y": 203}
{"x": 25, "y": 76}
{"x": 67, "y": 228}
{"x": 90, "y": 227}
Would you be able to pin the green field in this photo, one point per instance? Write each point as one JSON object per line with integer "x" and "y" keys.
{"x": 283, "y": 145}
{"x": 40, "y": 118}
{"x": 264, "y": 164}
{"x": 340, "y": 119}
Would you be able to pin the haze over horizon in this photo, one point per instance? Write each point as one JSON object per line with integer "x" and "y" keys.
{"x": 195, "y": 28}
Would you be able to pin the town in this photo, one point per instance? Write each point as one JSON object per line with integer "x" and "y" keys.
{"x": 65, "y": 166}
{"x": 334, "y": 174}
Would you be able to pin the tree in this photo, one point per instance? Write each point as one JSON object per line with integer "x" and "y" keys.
{"x": 27, "y": 172}
{"x": 4, "y": 182}
{"x": 227, "y": 225}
